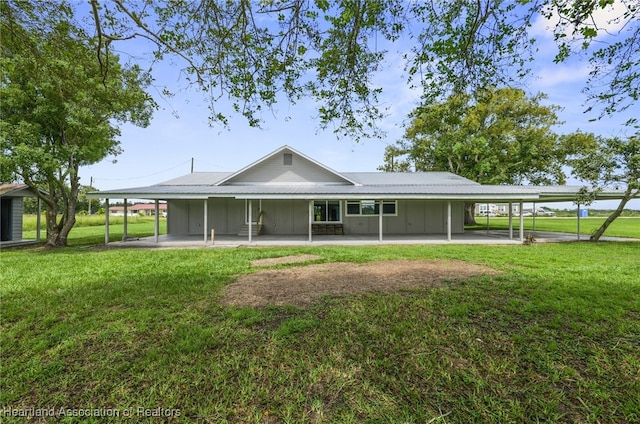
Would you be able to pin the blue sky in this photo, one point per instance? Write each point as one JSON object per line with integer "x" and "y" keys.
{"x": 180, "y": 130}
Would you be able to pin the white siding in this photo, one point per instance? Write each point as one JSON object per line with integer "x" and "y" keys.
{"x": 414, "y": 217}
{"x": 285, "y": 216}
{"x": 225, "y": 216}
{"x": 178, "y": 217}
{"x": 273, "y": 170}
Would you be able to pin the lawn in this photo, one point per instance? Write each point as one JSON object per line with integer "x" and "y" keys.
{"x": 553, "y": 338}
{"x": 621, "y": 227}
{"x": 90, "y": 229}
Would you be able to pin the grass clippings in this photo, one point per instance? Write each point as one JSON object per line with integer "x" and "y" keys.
{"x": 302, "y": 285}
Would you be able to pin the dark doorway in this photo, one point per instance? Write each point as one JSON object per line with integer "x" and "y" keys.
{"x": 6, "y": 219}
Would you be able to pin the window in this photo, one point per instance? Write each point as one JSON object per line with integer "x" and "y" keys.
{"x": 326, "y": 211}
{"x": 368, "y": 207}
{"x": 353, "y": 208}
{"x": 287, "y": 159}
{"x": 371, "y": 207}
{"x": 389, "y": 207}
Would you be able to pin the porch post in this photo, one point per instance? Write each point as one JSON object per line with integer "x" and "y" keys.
{"x": 250, "y": 219}
{"x": 521, "y": 223}
{"x": 206, "y": 218}
{"x": 124, "y": 222}
{"x": 310, "y": 220}
{"x": 106, "y": 221}
{"x": 487, "y": 218}
{"x": 38, "y": 220}
{"x": 156, "y": 223}
{"x": 380, "y": 222}
{"x": 534, "y": 217}
{"x": 510, "y": 221}
{"x": 448, "y": 220}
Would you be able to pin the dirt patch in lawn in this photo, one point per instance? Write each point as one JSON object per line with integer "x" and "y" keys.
{"x": 285, "y": 260}
{"x": 302, "y": 285}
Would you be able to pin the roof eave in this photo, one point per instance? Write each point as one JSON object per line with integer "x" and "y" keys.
{"x": 388, "y": 196}
{"x": 150, "y": 196}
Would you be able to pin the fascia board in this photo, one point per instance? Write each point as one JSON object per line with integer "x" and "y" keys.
{"x": 152, "y": 196}
{"x": 386, "y": 196}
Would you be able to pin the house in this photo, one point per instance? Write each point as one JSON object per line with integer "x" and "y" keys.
{"x": 492, "y": 209}
{"x": 145, "y": 209}
{"x": 12, "y": 211}
{"x": 288, "y": 193}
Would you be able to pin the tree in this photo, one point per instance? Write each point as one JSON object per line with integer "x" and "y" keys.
{"x": 257, "y": 53}
{"x": 613, "y": 54}
{"x": 605, "y": 163}
{"x": 85, "y": 204}
{"x": 58, "y": 108}
{"x": 498, "y": 136}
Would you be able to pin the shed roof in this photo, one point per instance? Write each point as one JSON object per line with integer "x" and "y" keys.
{"x": 15, "y": 190}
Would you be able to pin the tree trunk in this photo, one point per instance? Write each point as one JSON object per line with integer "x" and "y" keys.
{"x": 623, "y": 202}
{"x": 469, "y": 214}
{"x": 57, "y": 232}
{"x": 60, "y": 198}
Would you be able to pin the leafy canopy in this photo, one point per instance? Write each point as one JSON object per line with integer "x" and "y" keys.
{"x": 58, "y": 109}
{"x": 257, "y": 53}
{"x": 498, "y": 136}
{"x": 604, "y": 163}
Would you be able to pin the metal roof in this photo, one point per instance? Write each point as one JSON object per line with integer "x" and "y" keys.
{"x": 409, "y": 178}
{"x": 17, "y": 190}
{"x": 356, "y": 185}
{"x": 359, "y": 178}
{"x": 414, "y": 191}
{"x": 410, "y": 190}
{"x": 198, "y": 178}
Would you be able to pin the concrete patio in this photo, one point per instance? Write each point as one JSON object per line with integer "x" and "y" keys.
{"x": 481, "y": 237}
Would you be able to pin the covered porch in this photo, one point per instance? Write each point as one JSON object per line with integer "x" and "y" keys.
{"x": 315, "y": 230}
{"x": 478, "y": 237}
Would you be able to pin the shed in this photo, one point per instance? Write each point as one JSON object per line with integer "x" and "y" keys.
{"x": 12, "y": 213}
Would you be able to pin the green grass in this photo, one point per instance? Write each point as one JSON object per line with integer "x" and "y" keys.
{"x": 90, "y": 229}
{"x": 621, "y": 227}
{"x": 555, "y": 338}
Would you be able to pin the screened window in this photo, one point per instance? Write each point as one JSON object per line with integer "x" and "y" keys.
{"x": 389, "y": 207}
{"x": 326, "y": 211}
{"x": 371, "y": 207}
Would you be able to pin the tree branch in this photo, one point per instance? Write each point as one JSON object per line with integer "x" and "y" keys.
{"x": 155, "y": 38}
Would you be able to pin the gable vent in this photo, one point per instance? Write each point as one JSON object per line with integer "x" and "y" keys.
{"x": 287, "y": 159}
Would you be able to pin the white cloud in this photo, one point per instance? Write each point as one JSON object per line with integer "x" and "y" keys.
{"x": 555, "y": 75}
{"x": 608, "y": 20}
